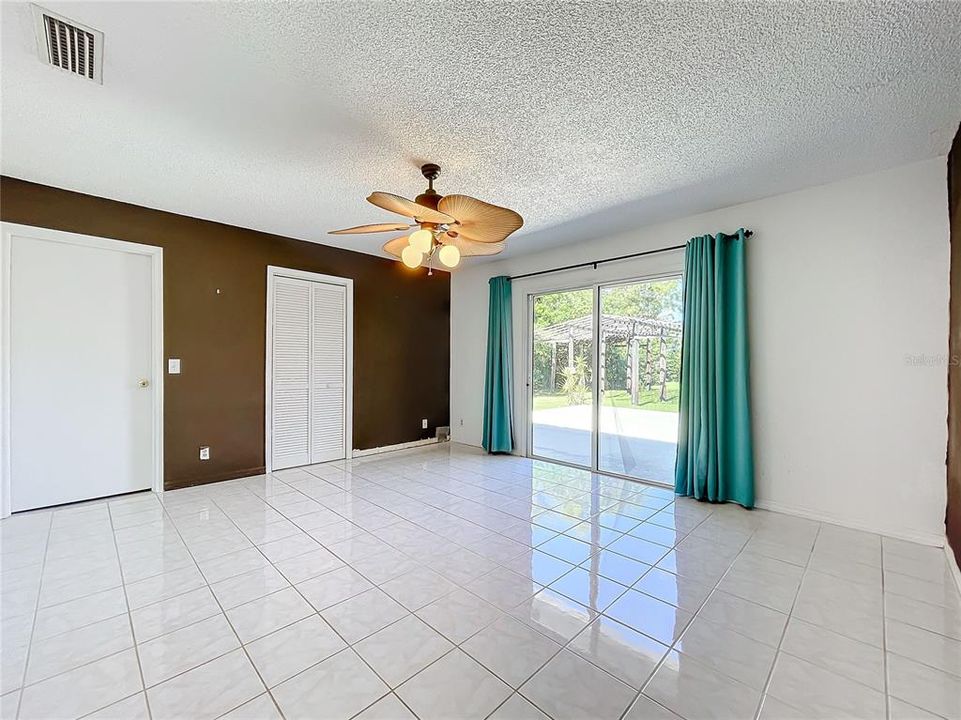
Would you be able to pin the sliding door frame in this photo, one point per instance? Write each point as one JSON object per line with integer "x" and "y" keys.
{"x": 596, "y": 399}
{"x": 531, "y": 297}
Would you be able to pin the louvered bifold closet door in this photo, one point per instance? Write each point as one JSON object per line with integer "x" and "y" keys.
{"x": 327, "y": 372}
{"x": 290, "y": 383}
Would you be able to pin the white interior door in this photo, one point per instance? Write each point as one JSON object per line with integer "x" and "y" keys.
{"x": 290, "y": 374}
{"x": 81, "y": 410}
{"x": 327, "y": 372}
{"x": 308, "y": 344}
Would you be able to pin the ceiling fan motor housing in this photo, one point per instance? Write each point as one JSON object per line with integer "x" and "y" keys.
{"x": 430, "y": 197}
{"x": 470, "y": 226}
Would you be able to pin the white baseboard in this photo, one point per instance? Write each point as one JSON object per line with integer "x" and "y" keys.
{"x": 953, "y": 564}
{"x": 464, "y": 443}
{"x": 392, "y": 448}
{"x": 932, "y": 539}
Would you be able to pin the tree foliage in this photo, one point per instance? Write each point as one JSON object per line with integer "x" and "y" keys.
{"x": 657, "y": 299}
{"x": 575, "y": 383}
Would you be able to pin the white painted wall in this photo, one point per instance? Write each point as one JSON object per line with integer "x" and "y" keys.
{"x": 847, "y": 283}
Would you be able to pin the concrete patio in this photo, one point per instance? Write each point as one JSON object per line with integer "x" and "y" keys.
{"x": 639, "y": 443}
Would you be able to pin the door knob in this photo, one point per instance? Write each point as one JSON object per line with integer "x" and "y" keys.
{"x": 144, "y": 382}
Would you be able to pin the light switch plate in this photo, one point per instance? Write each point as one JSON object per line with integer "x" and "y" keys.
{"x": 173, "y": 366}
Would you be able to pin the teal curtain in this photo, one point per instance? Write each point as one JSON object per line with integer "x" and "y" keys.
{"x": 715, "y": 458}
{"x": 498, "y": 384}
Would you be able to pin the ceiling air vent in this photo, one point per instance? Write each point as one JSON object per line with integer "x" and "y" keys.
{"x": 68, "y": 45}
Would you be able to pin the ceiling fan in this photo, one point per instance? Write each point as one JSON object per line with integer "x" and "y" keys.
{"x": 450, "y": 226}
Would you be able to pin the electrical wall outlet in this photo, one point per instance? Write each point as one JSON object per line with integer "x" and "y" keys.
{"x": 423, "y": 424}
{"x": 205, "y": 452}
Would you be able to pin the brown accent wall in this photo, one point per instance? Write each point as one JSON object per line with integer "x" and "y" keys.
{"x": 953, "y": 513}
{"x": 401, "y": 328}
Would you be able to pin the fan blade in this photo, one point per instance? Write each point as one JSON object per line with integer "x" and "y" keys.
{"x": 396, "y": 246}
{"x": 478, "y": 220}
{"x": 408, "y": 208}
{"x": 375, "y": 228}
{"x": 471, "y": 248}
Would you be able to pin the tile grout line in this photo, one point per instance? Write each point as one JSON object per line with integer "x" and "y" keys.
{"x": 194, "y": 589}
{"x": 470, "y": 498}
{"x": 126, "y": 600}
{"x": 223, "y": 612}
{"x": 456, "y": 645}
{"x": 33, "y": 624}
{"x": 102, "y": 590}
{"x": 81, "y": 627}
{"x": 206, "y": 584}
{"x": 885, "y": 652}
{"x": 219, "y": 604}
{"x": 316, "y": 612}
{"x": 884, "y": 637}
{"x": 790, "y": 616}
{"x": 694, "y": 615}
{"x": 565, "y": 645}
{"x": 595, "y": 615}
{"x": 162, "y": 635}
{"x": 528, "y": 520}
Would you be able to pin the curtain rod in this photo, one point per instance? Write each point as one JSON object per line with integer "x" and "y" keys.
{"x": 595, "y": 263}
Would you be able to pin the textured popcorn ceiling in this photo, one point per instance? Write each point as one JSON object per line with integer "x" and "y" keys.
{"x": 283, "y": 117}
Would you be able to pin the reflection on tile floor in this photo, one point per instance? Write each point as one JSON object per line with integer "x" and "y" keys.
{"x": 442, "y": 583}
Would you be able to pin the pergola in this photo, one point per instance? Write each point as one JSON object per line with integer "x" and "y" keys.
{"x": 616, "y": 328}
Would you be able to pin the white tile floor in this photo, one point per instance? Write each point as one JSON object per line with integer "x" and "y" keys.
{"x": 442, "y": 584}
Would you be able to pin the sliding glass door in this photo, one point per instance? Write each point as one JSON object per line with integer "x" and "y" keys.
{"x": 640, "y": 351}
{"x": 621, "y": 419}
{"x": 562, "y": 398}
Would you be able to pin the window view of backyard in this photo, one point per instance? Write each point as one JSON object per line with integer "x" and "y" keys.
{"x": 563, "y": 365}
{"x": 639, "y": 358}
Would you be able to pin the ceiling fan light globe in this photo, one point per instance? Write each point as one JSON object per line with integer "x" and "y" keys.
{"x": 450, "y": 256}
{"x": 421, "y": 240}
{"x": 411, "y": 256}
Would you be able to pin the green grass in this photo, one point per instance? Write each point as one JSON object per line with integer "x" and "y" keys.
{"x": 549, "y": 402}
{"x": 648, "y": 399}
